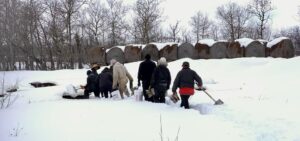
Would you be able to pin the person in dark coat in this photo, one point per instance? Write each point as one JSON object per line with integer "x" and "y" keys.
{"x": 185, "y": 81}
{"x": 74, "y": 94}
{"x": 105, "y": 82}
{"x": 161, "y": 80}
{"x": 92, "y": 82}
{"x": 145, "y": 71}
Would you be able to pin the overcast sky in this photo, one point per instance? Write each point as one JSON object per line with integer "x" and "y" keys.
{"x": 285, "y": 14}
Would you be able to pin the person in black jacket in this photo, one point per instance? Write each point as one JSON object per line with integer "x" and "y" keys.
{"x": 146, "y": 69}
{"x": 185, "y": 81}
{"x": 105, "y": 82}
{"x": 92, "y": 82}
{"x": 161, "y": 80}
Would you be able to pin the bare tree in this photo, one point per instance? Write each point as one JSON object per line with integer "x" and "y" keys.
{"x": 2, "y": 35}
{"x": 97, "y": 22}
{"x": 148, "y": 18}
{"x": 56, "y": 27}
{"x": 214, "y": 31}
{"x": 10, "y": 13}
{"x": 261, "y": 9}
{"x": 233, "y": 17}
{"x": 116, "y": 21}
{"x": 200, "y": 25}
{"x": 174, "y": 31}
{"x": 69, "y": 9}
{"x": 185, "y": 36}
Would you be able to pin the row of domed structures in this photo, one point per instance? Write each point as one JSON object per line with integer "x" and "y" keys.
{"x": 204, "y": 49}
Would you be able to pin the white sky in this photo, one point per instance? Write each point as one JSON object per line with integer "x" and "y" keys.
{"x": 285, "y": 14}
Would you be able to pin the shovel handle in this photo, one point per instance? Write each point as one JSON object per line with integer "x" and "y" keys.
{"x": 209, "y": 95}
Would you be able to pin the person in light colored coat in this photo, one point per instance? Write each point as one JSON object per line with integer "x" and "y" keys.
{"x": 120, "y": 77}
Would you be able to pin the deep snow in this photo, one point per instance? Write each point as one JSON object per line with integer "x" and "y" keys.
{"x": 260, "y": 94}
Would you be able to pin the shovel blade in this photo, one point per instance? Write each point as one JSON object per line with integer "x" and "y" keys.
{"x": 219, "y": 102}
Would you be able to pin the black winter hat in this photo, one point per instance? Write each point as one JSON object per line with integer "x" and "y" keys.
{"x": 88, "y": 72}
{"x": 148, "y": 57}
{"x": 186, "y": 64}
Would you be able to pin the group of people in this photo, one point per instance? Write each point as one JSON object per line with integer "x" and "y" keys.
{"x": 115, "y": 77}
{"x": 159, "y": 78}
{"x": 98, "y": 83}
{"x": 152, "y": 76}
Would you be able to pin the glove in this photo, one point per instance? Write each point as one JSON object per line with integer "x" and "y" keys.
{"x": 139, "y": 83}
{"x": 130, "y": 85}
{"x": 202, "y": 88}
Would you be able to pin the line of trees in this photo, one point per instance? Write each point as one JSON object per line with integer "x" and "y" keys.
{"x": 56, "y": 34}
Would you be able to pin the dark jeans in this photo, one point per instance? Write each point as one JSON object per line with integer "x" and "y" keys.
{"x": 104, "y": 93}
{"x": 146, "y": 84}
{"x": 87, "y": 93}
{"x": 185, "y": 101}
{"x": 160, "y": 91}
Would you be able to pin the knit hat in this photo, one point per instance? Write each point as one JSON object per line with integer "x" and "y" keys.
{"x": 88, "y": 72}
{"x": 113, "y": 61}
{"x": 162, "y": 61}
{"x": 186, "y": 64}
{"x": 148, "y": 57}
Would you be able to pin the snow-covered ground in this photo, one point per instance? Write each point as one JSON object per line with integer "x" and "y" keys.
{"x": 261, "y": 98}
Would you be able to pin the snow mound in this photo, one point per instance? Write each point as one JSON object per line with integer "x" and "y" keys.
{"x": 121, "y": 47}
{"x": 208, "y": 42}
{"x": 160, "y": 46}
{"x": 276, "y": 41}
{"x": 73, "y": 91}
{"x": 244, "y": 41}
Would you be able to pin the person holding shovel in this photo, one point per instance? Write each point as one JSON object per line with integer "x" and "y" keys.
{"x": 185, "y": 81}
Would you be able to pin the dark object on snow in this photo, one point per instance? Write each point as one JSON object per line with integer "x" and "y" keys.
{"x": 186, "y": 50}
{"x": 39, "y": 84}
{"x": 217, "y": 102}
{"x": 12, "y": 90}
{"x": 152, "y": 50}
{"x": 169, "y": 52}
{"x": 115, "y": 53}
{"x": 218, "y": 50}
{"x": 2, "y": 95}
{"x": 132, "y": 53}
{"x": 202, "y": 51}
{"x": 77, "y": 97}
